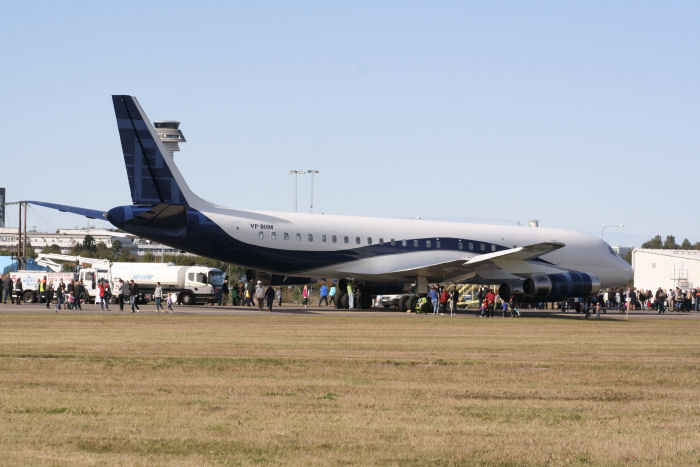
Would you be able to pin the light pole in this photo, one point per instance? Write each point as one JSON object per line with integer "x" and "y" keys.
{"x": 296, "y": 174}
{"x": 312, "y": 172}
{"x": 602, "y": 231}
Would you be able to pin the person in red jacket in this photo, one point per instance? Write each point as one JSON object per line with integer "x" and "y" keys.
{"x": 490, "y": 299}
{"x": 444, "y": 298}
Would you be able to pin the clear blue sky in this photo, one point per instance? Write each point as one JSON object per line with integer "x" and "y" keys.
{"x": 580, "y": 114}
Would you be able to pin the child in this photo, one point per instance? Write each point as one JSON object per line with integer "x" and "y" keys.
{"x": 171, "y": 298}
{"x": 71, "y": 300}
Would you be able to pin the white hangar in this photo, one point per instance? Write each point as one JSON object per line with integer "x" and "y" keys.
{"x": 667, "y": 269}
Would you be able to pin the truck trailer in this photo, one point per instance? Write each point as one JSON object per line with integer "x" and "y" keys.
{"x": 192, "y": 284}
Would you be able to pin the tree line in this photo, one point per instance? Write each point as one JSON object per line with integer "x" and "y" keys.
{"x": 670, "y": 244}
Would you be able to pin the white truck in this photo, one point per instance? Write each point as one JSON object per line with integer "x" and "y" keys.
{"x": 30, "y": 281}
{"x": 192, "y": 284}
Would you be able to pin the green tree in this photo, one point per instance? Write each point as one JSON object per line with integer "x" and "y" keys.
{"x": 53, "y": 248}
{"x": 670, "y": 243}
{"x": 686, "y": 244}
{"x": 654, "y": 243}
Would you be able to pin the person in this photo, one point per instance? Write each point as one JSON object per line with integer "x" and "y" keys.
{"x": 158, "y": 295}
{"x": 59, "y": 295}
{"x": 7, "y": 289}
{"x": 119, "y": 292}
{"x": 224, "y": 293}
{"x": 434, "y": 299}
{"x": 70, "y": 300}
{"x": 169, "y": 302}
{"x": 351, "y": 297}
{"x": 269, "y": 297}
{"x": 324, "y": 295}
{"x": 41, "y": 288}
{"x": 101, "y": 294}
{"x": 108, "y": 293}
{"x": 259, "y": 295}
{"x": 305, "y": 296}
{"x": 234, "y": 296}
{"x": 331, "y": 294}
{"x": 444, "y": 298}
{"x": 79, "y": 293}
{"x": 19, "y": 290}
{"x": 133, "y": 295}
{"x": 490, "y": 303}
{"x": 660, "y": 298}
{"x": 247, "y": 300}
{"x": 279, "y": 297}
{"x": 49, "y": 294}
{"x": 455, "y": 300}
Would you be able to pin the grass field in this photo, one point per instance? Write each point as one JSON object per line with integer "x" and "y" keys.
{"x": 309, "y": 389}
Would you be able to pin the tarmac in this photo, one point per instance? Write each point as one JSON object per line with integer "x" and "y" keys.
{"x": 290, "y": 308}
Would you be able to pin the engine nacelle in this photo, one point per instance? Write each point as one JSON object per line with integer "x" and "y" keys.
{"x": 552, "y": 287}
{"x": 509, "y": 289}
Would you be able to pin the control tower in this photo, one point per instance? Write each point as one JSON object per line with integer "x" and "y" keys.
{"x": 170, "y": 135}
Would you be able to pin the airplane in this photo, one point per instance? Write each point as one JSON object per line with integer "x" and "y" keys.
{"x": 377, "y": 255}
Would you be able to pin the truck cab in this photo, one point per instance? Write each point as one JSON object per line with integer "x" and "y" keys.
{"x": 204, "y": 283}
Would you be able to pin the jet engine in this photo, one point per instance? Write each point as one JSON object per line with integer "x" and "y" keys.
{"x": 509, "y": 289}
{"x": 550, "y": 287}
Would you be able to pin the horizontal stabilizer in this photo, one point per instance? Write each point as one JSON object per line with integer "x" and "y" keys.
{"x": 91, "y": 213}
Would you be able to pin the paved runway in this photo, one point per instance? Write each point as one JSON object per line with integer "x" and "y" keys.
{"x": 328, "y": 311}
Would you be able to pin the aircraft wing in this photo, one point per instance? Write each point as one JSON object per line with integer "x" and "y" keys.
{"x": 91, "y": 213}
{"x": 508, "y": 264}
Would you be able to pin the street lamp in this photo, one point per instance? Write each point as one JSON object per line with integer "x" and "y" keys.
{"x": 296, "y": 173}
{"x": 602, "y": 231}
{"x": 312, "y": 172}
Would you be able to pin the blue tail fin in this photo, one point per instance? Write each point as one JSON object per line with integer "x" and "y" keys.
{"x": 151, "y": 178}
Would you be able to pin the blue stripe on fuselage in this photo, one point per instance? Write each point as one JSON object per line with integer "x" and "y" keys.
{"x": 204, "y": 237}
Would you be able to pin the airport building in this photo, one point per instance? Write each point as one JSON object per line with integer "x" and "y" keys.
{"x": 67, "y": 239}
{"x": 667, "y": 269}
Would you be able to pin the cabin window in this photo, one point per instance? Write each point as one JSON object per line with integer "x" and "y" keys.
{"x": 381, "y": 241}
{"x": 393, "y": 242}
{"x": 346, "y": 239}
{"x": 428, "y": 243}
{"x": 460, "y": 245}
{"x": 323, "y": 238}
{"x": 190, "y": 276}
{"x": 334, "y": 239}
{"x": 471, "y": 246}
{"x": 493, "y": 247}
{"x": 437, "y": 243}
{"x": 483, "y": 247}
{"x": 311, "y": 237}
{"x": 273, "y": 235}
{"x": 261, "y": 234}
{"x": 415, "y": 243}
{"x": 404, "y": 243}
{"x": 369, "y": 240}
{"x": 286, "y": 236}
{"x": 298, "y": 237}
{"x": 357, "y": 240}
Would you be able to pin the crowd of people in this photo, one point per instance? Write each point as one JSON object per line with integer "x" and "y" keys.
{"x": 440, "y": 299}
{"x": 675, "y": 300}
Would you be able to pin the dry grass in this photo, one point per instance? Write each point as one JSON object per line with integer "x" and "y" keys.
{"x": 394, "y": 389}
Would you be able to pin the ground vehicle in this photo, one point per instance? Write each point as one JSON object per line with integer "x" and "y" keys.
{"x": 389, "y": 301}
{"x": 30, "y": 281}
{"x": 192, "y": 284}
